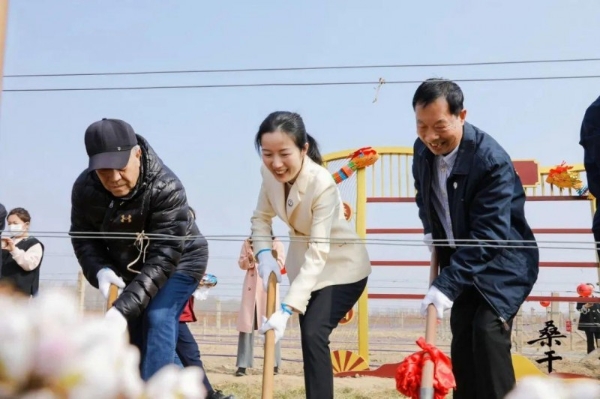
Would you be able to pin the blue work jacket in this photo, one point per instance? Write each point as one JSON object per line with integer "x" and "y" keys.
{"x": 496, "y": 250}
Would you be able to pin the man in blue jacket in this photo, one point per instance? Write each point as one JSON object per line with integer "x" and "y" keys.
{"x": 590, "y": 141}
{"x": 471, "y": 203}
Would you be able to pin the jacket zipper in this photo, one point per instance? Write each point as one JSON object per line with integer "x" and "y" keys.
{"x": 451, "y": 206}
{"x": 502, "y": 319}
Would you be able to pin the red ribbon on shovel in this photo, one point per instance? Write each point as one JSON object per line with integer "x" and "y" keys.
{"x": 426, "y": 374}
{"x": 408, "y": 375}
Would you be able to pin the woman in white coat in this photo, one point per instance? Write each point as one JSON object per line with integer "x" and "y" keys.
{"x": 253, "y": 306}
{"x": 327, "y": 264}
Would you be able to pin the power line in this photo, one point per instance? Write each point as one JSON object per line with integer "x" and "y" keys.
{"x": 309, "y": 68}
{"x": 291, "y": 84}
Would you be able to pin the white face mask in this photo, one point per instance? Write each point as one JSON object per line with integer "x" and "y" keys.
{"x": 15, "y": 228}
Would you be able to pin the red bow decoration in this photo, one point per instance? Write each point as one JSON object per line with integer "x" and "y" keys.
{"x": 364, "y": 157}
{"x": 562, "y": 177}
{"x": 408, "y": 374}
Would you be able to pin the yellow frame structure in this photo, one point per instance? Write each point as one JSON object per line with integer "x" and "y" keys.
{"x": 361, "y": 230}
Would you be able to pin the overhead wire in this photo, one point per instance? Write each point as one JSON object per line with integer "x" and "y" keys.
{"x": 306, "y": 68}
{"x": 490, "y": 243}
{"x": 291, "y": 84}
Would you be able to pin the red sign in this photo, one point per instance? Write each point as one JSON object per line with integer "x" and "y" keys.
{"x": 528, "y": 171}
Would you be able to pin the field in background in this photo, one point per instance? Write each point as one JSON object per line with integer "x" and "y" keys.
{"x": 392, "y": 336}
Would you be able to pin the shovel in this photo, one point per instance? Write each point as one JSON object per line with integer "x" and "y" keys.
{"x": 269, "y": 363}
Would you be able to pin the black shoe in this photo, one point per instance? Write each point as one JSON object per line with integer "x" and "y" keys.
{"x": 241, "y": 371}
{"x": 216, "y": 394}
{"x": 276, "y": 370}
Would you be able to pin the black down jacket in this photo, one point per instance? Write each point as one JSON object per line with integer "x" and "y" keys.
{"x": 156, "y": 207}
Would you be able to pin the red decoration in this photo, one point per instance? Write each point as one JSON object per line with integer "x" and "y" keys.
{"x": 408, "y": 374}
{"x": 545, "y": 304}
{"x": 562, "y": 177}
{"x": 359, "y": 159}
{"x": 585, "y": 290}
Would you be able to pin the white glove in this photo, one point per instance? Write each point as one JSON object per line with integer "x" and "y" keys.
{"x": 106, "y": 277}
{"x": 266, "y": 265}
{"x": 201, "y": 293}
{"x": 428, "y": 240}
{"x": 277, "y": 321}
{"x": 116, "y": 319}
{"x": 438, "y": 299}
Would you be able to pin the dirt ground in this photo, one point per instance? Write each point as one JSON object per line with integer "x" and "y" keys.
{"x": 390, "y": 341}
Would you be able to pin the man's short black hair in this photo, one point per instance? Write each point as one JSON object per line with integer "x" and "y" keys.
{"x": 432, "y": 89}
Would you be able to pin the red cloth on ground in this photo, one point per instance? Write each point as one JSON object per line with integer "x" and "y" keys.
{"x": 408, "y": 374}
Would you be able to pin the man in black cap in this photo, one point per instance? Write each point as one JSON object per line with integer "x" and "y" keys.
{"x": 131, "y": 227}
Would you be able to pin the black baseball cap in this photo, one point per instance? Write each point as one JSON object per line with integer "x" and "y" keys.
{"x": 108, "y": 143}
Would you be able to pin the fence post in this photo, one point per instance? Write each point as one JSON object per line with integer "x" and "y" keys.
{"x": 218, "y": 316}
{"x": 573, "y": 321}
{"x": 519, "y": 331}
{"x": 402, "y": 319}
{"x": 81, "y": 291}
{"x": 555, "y": 310}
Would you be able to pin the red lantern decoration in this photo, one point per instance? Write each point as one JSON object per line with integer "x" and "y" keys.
{"x": 585, "y": 290}
{"x": 545, "y": 304}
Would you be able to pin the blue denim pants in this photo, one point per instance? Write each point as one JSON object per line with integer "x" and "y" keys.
{"x": 188, "y": 353}
{"x": 161, "y": 323}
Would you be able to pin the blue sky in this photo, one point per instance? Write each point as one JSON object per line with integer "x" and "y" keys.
{"x": 206, "y": 135}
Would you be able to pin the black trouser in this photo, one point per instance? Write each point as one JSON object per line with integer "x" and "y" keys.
{"x": 480, "y": 349}
{"x": 591, "y": 340}
{"x": 189, "y": 353}
{"x": 325, "y": 309}
{"x": 597, "y": 239}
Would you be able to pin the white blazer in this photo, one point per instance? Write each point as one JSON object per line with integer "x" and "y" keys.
{"x": 324, "y": 249}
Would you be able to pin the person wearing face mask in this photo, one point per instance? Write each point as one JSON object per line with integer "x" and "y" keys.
{"x": 472, "y": 206}
{"x": 131, "y": 226}
{"x": 327, "y": 263}
{"x": 22, "y": 254}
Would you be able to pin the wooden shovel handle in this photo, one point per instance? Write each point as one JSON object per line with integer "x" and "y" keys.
{"x": 269, "y": 362}
{"x": 430, "y": 333}
{"x": 113, "y": 293}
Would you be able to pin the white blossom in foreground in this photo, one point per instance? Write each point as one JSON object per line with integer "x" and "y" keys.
{"x": 171, "y": 382}
{"x": 555, "y": 388}
{"x": 48, "y": 350}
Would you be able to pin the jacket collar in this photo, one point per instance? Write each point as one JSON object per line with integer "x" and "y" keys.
{"x": 298, "y": 189}
{"x": 466, "y": 151}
